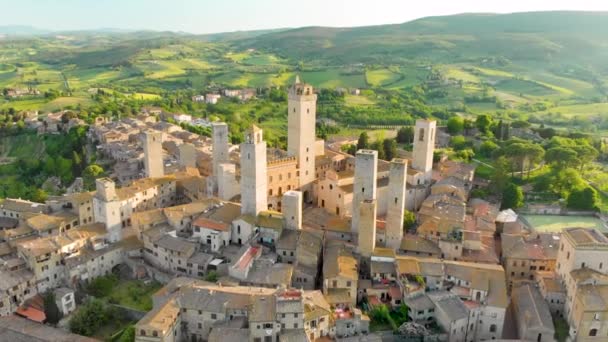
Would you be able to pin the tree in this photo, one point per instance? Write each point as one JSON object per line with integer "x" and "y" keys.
{"x": 584, "y": 199}
{"x": 128, "y": 335}
{"x": 565, "y": 181}
{"x": 89, "y": 317}
{"x": 51, "y": 310}
{"x": 458, "y": 142}
{"x": 483, "y": 123}
{"x": 455, "y": 125}
{"x": 211, "y": 276}
{"x": 561, "y": 157}
{"x": 487, "y": 148}
{"x": 40, "y": 196}
{"x": 390, "y": 148}
{"x": 466, "y": 154}
{"x": 91, "y": 173}
{"x": 405, "y": 135}
{"x": 512, "y": 197}
{"x": 363, "y": 141}
{"x": 379, "y": 146}
{"x": 586, "y": 154}
{"x": 409, "y": 220}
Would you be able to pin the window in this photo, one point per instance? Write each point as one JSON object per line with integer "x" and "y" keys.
{"x": 421, "y": 135}
{"x": 213, "y": 316}
{"x": 601, "y": 264}
{"x": 348, "y": 283}
{"x": 493, "y": 328}
{"x": 583, "y": 265}
{"x": 155, "y": 333}
{"x": 593, "y": 332}
{"x": 142, "y": 332}
{"x": 568, "y": 256}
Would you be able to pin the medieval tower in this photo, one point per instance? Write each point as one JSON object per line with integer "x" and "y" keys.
{"x": 424, "y": 146}
{"x": 254, "y": 182}
{"x": 366, "y": 172}
{"x": 367, "y": 227}
{"x": 396, "y": 203}
{"x": 153, "y": 154}
{"x": 301, "y": 136}
{"x": 220, "y": 145}
{"x": 292, "y": 209}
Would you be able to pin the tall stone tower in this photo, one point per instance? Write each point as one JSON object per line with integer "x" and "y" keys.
{"x": 424, "y": 146}
{"x": 187, "y": 155}
{"x": 254, "y": 182}
{"x": 106, "y": 208}
{"x": 292, "y": 209}
{"x": 301, "y": 136}
{"x": 367, "y": 227}
{"x": 366, "y": 172}
{"x": 396, "y": 203}
{"x": 220, "y": 145}
{"x": 153, "y": 154}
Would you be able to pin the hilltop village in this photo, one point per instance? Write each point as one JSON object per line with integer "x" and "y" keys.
{"x": 303, "y": 244}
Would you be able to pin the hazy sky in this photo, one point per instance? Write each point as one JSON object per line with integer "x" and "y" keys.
{"x": 207, "y": 16}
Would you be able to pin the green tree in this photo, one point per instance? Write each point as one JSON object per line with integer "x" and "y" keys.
{"x": 91, "y": 173}
{"x": 500, "y": 178}
{"x": 483, "y": 123}
{"x": 211, "y": 276}
{"x": 390, "y": 148}
{"x": 487, "y": 148}
{"x": 40, "y": 196}
{"x": 363, "y": 141}
{"x": 584, "y": 199}
{"x": 405, "y": 135}
{"x": 455, "y": 125}
{"x": 379, "y": 146}
{"x": 459, "y": 142}
{"x": 128, "y": 335}
{"x": 89, "y": 318}
{"x": 512, "y": 197}
{"x": 561, "y": 157}
{"x": 51, "y": 310}
{"x": 586, "y": 154}
{"x": 409, "y": 220}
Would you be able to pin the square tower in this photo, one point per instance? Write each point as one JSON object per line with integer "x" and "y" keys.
{"x": 107, "y": 208}
{"x": 367, "y": 227}
{"x": 424, "y": 146}
{"x": 153, "y": 154}
{"x": 220, "y": 145}
{"x": 366, "y": 172}
{"x": 187, "y": 155}
{"x": 396, "y": 203}
{"x": 301, "y": 134}
{"x": 292, "y": 209}
{"x": 254, "y": 182}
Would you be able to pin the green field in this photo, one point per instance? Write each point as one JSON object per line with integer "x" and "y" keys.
{"x": 554, "y": 223}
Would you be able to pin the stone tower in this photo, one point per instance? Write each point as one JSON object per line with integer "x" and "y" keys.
{"x": 292, "y": 209}
{"x": 366, "y": 172}
{"x": 106, "y": 208}
{"x": 254, "y": 182}
{"x": 424, "y": 146}
{"x": 220, "y": 145}
{"x": 153, "y": 154}
{"x": 187, "y": 155}
{"x": 367, "y": 227}
{"x": 396, "y": 203}
{"x": 301, "y": 136}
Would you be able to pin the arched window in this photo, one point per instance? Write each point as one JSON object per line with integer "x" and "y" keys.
{"x": 593, "y": 332}
{"x": 142, "y": 332}
{"x": 493, "y": 328}
{"x": 421, "y": 134}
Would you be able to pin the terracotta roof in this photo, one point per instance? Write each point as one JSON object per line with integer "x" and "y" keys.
{"x": 32, "y": 314}
{"x": 206, "y": 223}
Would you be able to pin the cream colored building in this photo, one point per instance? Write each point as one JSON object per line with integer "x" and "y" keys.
{"x": 301, "y": 138}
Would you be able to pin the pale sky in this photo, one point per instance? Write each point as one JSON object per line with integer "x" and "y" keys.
{"x": 210, "y": 16}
